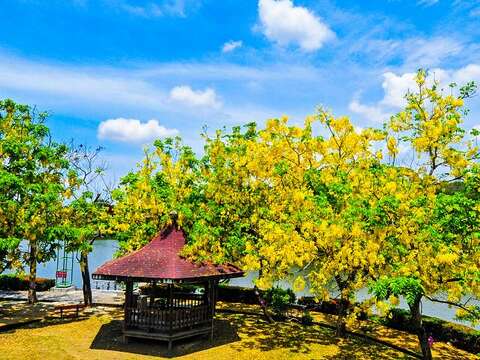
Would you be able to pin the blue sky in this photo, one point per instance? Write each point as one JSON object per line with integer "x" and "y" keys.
{"x": 121, "y": 72}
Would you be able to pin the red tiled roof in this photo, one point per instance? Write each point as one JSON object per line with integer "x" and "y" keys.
{"x": 160, "y": 260}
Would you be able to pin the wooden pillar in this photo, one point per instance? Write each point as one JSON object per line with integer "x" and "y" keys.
{"x": 206, "y": 294}
{"x": 207, "y": 299}
{"x": 170, "y": 312}
{"x": 127, "y": 305}
{"x": 152, "y": 293}
{"x": 215, "y": 294}
{"x": 128, "y": 294}
{"x": 212, "y": 287}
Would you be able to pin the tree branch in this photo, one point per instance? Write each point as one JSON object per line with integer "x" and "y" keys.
{"x": 451, "y": 303}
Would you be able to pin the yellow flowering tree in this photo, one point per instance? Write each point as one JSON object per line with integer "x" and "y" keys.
{"x": 165, "y": 182}
{"x": 355, "y": 205}
{"x": 254, "y": 211}
{"x": 254, "y": 200}
{"x": 435, "y": 246}
{"x": 329, "y": 210}
{"x": 295, "y": 206}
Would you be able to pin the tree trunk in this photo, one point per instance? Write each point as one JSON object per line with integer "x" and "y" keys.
{"x": 32, "y": 277}
{"x": 341, "y": 327}
{"x": 263, "y": 304}
{"x": 86, "y": 284}
{"x": 416, "y": 314}
{"x": 342, "y": 307}
{"x": 261, "y": 300}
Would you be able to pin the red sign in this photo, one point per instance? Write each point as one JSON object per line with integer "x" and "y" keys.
{"x": 62, "y": 274}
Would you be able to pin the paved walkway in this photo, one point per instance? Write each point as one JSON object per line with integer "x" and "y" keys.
{"x": 14, "y": 313}
{"x": 104, "y": 297}
{"x": 14, "y": 308}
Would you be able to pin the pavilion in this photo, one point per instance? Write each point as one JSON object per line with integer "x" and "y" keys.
{"x": 183, "y": 294}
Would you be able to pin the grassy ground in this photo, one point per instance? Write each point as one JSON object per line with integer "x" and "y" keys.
{"x": 237, "y": 337}
{"x": 394, "y": 337}
{"x": 12, "y": 312}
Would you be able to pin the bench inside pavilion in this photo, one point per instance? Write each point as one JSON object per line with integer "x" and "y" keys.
{"x": 182, "y": 297}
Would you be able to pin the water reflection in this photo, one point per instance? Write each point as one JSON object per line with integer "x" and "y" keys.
{"x": 103, "y": 250}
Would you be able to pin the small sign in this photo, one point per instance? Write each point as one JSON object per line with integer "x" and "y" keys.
{"x": 62, "y": 274}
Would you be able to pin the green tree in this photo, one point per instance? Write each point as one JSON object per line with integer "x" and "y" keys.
{"x": 167, "y": 180}
{"x": 355, "y": 203}
{"x": 434, "y": 250}
{"x": 88, "y": 212}
{"x": 32, "y": 169}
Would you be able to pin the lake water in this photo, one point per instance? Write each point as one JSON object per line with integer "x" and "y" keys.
{"x": 104, "y": 250}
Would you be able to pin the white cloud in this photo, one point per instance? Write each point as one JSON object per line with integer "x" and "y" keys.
{"x": 178, "y": 7}
{"x": 430, "y": 52}
{"x": 156, "y": 8}
{"x": 231, "y": 45}
{"x": 140, "y": 89}
{"x": 150, "y": 10}
{"x": 186, "y": 95}
{"x": 396, "y": 86}
{"x": 133, "y": 130}
{"x": 427, "y": 2}
{"x": 373, "y": 113}
{"x": 468, "y": 73}
{"x": 413, "y": 52}
{"x": 78, "y": 84}
{"x": 228, "y": 71}
{"x": 285, "y": 24}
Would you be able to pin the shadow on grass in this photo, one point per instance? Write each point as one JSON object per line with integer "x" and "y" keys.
{"x": 12, "y": 312}
{"x": 109, "y": 337}
{"x": 246, "y": 333}
{"x": 315, "y": 341}
{"x": 249, "y": 335}
{"x": 20, "y": 315}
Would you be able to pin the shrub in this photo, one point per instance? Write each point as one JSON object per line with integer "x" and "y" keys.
{"x": 306, "y": 318}
{"x": 279, "y": 299}
{"x": 21, "y": 282}
{"x": 327, "y": 307}
{"x": 308, "y": 301}
{"x": 460, "y": 336}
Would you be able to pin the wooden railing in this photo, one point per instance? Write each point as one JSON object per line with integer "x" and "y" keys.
{"x": 147, "y": 318}
{"x": 166, "y": 319}
{"x": 187, "y": 317}
{"x": 184, "y": 311}
{"x": 187, "y": 300}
